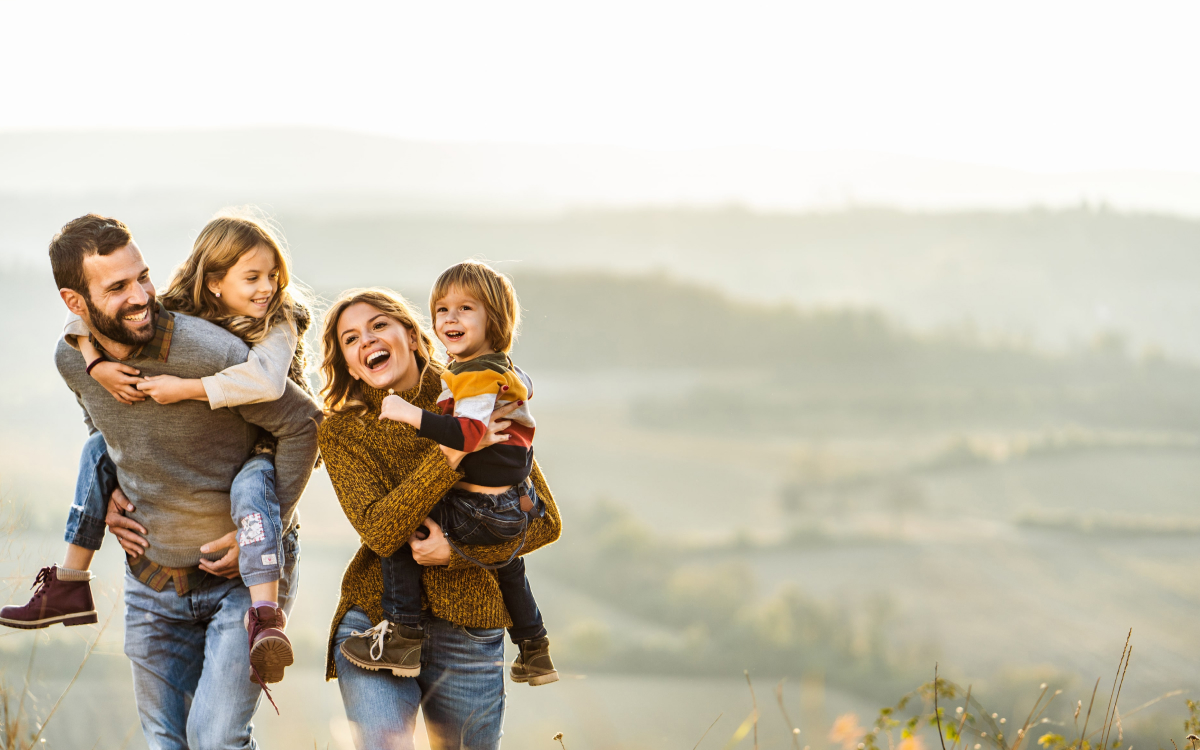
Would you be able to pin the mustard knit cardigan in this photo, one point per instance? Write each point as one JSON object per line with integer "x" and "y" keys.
{"x": 387, "y": 480}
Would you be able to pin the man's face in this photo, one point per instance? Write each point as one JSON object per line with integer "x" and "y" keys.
{"x": 120, "y": 299}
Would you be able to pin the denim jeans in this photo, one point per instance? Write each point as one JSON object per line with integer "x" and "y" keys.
{"x": 460, "y": 690}
{"x": 402, "y": 574}
{"x": 254, "y": 510}
{"x": 191, "y": 659}
{"x": 96, "y": 480}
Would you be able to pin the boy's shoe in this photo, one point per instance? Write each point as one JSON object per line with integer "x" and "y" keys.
{"x": 270, "y": 649}
{"x": 68, "y": 602}
{"x": 533, "y": 664}
{"x": 386, "y": 646}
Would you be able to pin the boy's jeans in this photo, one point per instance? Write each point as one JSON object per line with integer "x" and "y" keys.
{"x": 189, "y": 656}
{"x": 252, "y": 498}
{"x": 402, "y": 574}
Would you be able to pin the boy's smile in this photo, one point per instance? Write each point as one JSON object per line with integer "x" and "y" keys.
{"x": 460, "y": 322}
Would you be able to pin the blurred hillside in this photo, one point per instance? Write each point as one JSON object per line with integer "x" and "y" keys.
{"x": 833, "y": 447}
{"x": 1055, "y": 279}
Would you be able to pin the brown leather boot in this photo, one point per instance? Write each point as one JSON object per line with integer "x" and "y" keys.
{"x": 68, "y": 602}
{"x": 396, "y": 648}
{"x": 270, "y": 649}
{"x": 533, "y": 664}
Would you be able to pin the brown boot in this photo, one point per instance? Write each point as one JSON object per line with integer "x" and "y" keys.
{"x": 68, "y": 602}
{"x": 270, "y": 649}
{"x": 533, "y": 664}
{"x": 386, "y": 647}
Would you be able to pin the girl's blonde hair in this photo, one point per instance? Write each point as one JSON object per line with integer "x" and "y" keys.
{"x": 340, "y": 391}
{"x": 493, "y": 289}
{"x": 222, "y": 241}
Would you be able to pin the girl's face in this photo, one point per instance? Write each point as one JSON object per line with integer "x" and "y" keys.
{"x": 379, "y": 350}
{"x": 251, "y": 284}
{"x": 460, "y": 322}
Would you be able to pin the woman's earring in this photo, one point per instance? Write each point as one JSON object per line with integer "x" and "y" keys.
{"x": 217, "y": 293}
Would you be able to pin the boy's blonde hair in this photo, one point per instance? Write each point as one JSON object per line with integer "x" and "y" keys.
{"x": 230, "y": 235}
{"x": 490, "y": 287}
{"x": 341, "y": 392}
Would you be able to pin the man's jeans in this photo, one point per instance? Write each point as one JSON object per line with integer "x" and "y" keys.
{"x": 254, "y": 509}
{"x": 191, "y": 659}
{"x": 460, "y": 690}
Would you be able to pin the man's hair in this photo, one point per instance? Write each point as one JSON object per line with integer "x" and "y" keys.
{"x": 88, "y": 235}
{"x": 490, "y": 287}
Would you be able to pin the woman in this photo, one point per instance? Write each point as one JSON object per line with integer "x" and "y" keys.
{"x": 387, "y": 480}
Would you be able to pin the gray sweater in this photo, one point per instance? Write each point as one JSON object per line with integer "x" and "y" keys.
{"x": 177, "y": 462}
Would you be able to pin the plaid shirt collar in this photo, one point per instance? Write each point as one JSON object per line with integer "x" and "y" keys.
{"x": 159, "y": 347}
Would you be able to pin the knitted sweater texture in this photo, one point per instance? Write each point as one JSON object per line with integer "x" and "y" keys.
{"x": 387, "y": 480}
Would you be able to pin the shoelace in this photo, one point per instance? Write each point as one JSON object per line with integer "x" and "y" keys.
{"x": 255, "y": 626}
{"x": 43, "y": 580}
{"x": 379, "y": 633}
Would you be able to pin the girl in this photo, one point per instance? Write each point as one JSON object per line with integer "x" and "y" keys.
{"x": 237, "y": 276}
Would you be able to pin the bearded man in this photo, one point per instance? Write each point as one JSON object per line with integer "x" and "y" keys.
{"x": 175, "y": 465}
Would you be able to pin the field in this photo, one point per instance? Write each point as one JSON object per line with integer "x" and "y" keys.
{"x": 836, "y": 495}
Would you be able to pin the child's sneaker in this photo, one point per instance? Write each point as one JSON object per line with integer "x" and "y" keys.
{"x": 56, "y": 600}
{"x": 533, "y": 664}
{"x": 270, "y": 649}
{"x": 387, "y": 646}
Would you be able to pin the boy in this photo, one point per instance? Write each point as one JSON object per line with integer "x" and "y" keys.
{"x": 475, "y": 315}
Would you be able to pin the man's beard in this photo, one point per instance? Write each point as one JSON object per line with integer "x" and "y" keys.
{"x": 116, "y": 329}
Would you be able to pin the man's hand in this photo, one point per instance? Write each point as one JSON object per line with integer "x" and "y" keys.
{"x": 119, "y": 380}
{"x": 434, "y": 549}
{"x": 227, "y": 566}
{"x": 168, "y": 389}
{"x": 126, "y": 530}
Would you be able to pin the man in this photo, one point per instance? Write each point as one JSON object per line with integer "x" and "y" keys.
{"x": 184, "y": 602}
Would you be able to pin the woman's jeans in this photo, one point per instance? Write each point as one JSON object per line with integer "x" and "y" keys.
{"x": 254, "y": 509}
{"x": 460, "y": 690}
{"x": 402, "y": 574}
{"x": 190, "y": 658}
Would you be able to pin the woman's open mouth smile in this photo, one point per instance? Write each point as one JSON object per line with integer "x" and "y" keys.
{"x": 377, "y": 359}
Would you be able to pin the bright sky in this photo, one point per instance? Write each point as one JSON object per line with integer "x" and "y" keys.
{"x": 1037, "y": 85}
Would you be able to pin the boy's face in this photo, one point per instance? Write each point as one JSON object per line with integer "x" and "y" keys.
{"x": 460, "y": 322}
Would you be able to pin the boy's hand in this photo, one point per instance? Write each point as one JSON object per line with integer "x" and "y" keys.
{"x": 168, "y": 389}
{"x": 119, "y": 380}
{"x": 399, "y": 410}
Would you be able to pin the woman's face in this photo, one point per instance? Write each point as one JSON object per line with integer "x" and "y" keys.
{"x": 379, "y": 350}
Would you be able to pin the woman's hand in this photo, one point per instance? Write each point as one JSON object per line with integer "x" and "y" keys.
{"x": 168, "y": 389}
{"x": 119, "y": 380}
{"x": 496, "y": 425}
{"x": 433, "y": 549}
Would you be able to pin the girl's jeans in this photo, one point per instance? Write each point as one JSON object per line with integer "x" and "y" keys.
{"x": 402, "y": 574}
{"x": 460, "y": 690}
{"x": 254, "y": 508}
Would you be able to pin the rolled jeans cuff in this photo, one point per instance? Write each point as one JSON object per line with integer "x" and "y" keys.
{"x": 85, "y": 531}
{"x": 263, "y": 576}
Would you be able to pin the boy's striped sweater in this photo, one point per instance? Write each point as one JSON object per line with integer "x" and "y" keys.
{"x": 471, "y": 390}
